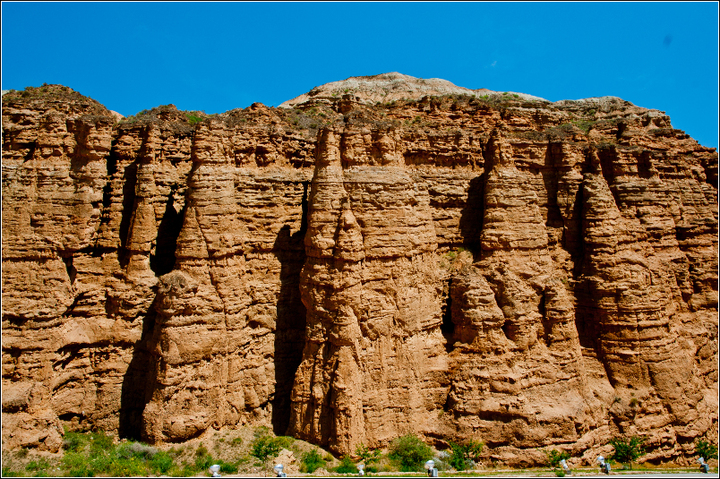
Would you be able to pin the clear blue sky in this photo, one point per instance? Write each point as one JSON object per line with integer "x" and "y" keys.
{"x": 219, "y": 56}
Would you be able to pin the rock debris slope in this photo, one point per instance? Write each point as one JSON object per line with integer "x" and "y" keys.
{"x": 380, "y": 256}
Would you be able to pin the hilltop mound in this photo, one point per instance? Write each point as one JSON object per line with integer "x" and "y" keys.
{"x": 391, "y": 86}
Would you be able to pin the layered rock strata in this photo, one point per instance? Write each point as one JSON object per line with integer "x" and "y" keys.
{"x": 352, "y": 268}
{"x": 519, "y": 362}
{"x": 373, "y": 359}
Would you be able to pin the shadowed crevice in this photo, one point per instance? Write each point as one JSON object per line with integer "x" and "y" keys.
{"x": 471, "y": 216}
{"x": 138, "y": 382}
{"x": 290, "y": 323}
{"x": 447, "y": 328}
{"x": 128, "y": 208}
{"x": 162, "y": 261}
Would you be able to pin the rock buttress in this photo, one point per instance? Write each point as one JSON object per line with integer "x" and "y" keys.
{"x": 228, "y": 324}
{"x": 517, "y": 372}
{"x": 373, "y": 362}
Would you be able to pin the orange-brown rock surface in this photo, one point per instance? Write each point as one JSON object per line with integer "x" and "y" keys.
{"x": 380, "y": 256}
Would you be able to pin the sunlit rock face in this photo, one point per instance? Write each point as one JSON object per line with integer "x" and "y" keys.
{"x": 374, "y": 358}
{"x": 357, "y": 265}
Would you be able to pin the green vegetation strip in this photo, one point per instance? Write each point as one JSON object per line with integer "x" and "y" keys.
{"x": 88, "y": 454}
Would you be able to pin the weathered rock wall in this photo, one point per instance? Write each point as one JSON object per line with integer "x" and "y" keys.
{"x": 521, "y": 272}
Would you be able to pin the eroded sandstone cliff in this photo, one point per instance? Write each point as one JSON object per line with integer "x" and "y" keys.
{"x": 366, "y": 261}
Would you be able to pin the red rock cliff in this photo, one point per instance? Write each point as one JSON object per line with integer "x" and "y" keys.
{"x": 366, "y": 261}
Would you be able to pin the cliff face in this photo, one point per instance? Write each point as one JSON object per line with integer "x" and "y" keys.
{"x": 470, "y": 264}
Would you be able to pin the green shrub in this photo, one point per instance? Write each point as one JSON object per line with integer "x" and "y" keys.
{"x": 284, "y": 441}
{"x": 265, "y": 447}
{"x": 584, "y": 125}
{"x": 182, "y": 471}
{"x": 706, "y": 449}
{"x": 554, "y": 457}
{"x": 136, "y": 450}
{"x": 39, "y": 468}
{"x": 161, "y": 462}
{"x": 410, "y": 452}
{"x": 346, "y": 466}
{"x": 310, "y": 461}
{"x": 118, "y": 467}
{"x": 463, "y": 455}
{"x": 193, "y": 119}
{"x": 366, "y": 455}
{"x": 100, "y": 444}
{"x": 96, "y": 454}
{"x": 627, "y": 449}
{"x": 203, "y": 459}
{"x": 228, "y": 467}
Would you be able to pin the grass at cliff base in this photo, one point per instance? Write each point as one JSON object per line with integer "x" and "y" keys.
{"x": 96, "y": 454}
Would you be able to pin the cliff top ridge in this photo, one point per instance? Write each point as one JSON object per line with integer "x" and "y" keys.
{"x": 395, "y": 86}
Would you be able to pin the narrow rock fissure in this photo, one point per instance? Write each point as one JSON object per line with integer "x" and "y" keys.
{"x": 290, "y": 321}
{"x": 447, "y": 328}
{"x": 128, "y": 205}
{"x": 163, "y": 260}
{"x": 71, "y": 270}
{"x": 107, "y": 189}
{"x": 471, "y": 216}
{"x": 138, "y": 382}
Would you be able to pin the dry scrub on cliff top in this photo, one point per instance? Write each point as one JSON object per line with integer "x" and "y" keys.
{"x": 56, "y": 97}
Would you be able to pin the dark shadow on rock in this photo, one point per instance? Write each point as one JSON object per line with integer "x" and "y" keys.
{"x": 138, "y": 382}
{"x": 163, "y": 261}
{"x": 587, "y": 314}
{"x": 112, "y": 162}
{"x": 447, "y": 328}
{"x": 128, "y": 209}
{"x": 471, "y": 217}
{"x": 290, "y": 323}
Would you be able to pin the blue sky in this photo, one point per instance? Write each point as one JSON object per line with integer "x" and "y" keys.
{"x": 218, "y": 56}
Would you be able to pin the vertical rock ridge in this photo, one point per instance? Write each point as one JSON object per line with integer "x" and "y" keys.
{"x": 632, "y": 312}
{"x": 368, "y": 286}
{"x": 515, "y": 323}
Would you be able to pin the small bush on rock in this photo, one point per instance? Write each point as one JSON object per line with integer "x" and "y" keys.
{"x": 554, "y": 457}
{"x": 368, "y": 457}
{"x": 265, "y": 448}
